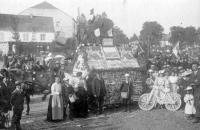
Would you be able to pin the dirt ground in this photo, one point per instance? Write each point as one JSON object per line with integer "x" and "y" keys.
{"x": 157, "y": 119}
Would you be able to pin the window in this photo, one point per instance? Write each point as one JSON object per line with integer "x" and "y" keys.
{"x": 33, "y": 37}
{"x": 25, "y": 37}
{"x": 1, "y": 36}
{"x": 42, "y": 37}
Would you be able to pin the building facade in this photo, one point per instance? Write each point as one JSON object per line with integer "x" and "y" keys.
{"x": 17, "y": 29}
{"x": 63, "y": 23}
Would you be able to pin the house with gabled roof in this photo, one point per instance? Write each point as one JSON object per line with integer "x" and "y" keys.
{"x": 63, "y": 23}
{"x": 23, "y": 29}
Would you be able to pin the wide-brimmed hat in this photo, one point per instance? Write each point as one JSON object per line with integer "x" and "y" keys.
{"x": 66, "y": 79}
{"x": 126, "y": 75}
{"x": 188, "y": 88}
{"x": 17, "y": 82}
{"x": 161, "y": 71}
{"x": 186, "y": 73}
{"x": 150, "y": 71}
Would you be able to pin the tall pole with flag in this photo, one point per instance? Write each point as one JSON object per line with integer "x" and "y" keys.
{"x": 78, "y": 26}
{"x": 176, "y": 50}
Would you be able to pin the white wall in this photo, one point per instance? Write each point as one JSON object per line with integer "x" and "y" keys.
{"x": 49, "y": 37}
{"x": 67, "y": 23}
{"x": 7, "y": 36}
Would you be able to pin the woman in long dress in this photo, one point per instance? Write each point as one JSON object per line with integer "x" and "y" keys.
{"x": 55, "y": 107}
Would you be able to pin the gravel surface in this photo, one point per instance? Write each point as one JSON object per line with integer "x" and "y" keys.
{"x": 157, "y": 119}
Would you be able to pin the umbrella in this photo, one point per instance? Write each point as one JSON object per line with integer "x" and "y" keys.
{"x": 59, "y": 56}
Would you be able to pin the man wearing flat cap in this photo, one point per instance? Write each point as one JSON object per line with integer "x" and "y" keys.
{"x": 17, "y": 102}
{"x": 195, "y": 79}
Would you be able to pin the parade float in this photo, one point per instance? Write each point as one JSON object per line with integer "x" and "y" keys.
{"x": 112, "y": 63}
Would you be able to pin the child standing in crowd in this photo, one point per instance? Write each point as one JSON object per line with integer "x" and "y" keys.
{"x": 189, "y": 103}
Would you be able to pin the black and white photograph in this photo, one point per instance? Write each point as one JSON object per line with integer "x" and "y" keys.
{"x": 99, "y": 64}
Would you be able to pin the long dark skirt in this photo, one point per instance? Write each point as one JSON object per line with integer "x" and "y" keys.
{"x": 49, "y": 112}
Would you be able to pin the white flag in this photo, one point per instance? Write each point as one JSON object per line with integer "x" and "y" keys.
{"x": 14, "y": 48}
{"x": 110, "y": 32}
{"x": 97, "y": 32}
{"x": 176, "y": 50}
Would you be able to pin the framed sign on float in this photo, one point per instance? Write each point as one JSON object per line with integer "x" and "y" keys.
{"x": 107, "y": 42}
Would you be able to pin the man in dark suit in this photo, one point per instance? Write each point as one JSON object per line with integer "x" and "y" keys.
{"x": 99, "y": 91}
{"x": 68, "y": 91}
{"x": 195, "y": 79}
{"x": 17, "y": 101}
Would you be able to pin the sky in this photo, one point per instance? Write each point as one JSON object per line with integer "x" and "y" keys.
{"x": 129, "y": 15}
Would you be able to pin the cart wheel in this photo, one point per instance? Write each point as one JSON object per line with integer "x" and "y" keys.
{"x": 142, "y": 102}
{"x": 177, "y": 102}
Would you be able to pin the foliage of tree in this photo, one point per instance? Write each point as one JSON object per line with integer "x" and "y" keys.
{"x": 187, "y": 35}
{"x": 151, "y": 32}
{"x": 119, "y": 37}
{"x": 198, "y": 35}
{"x": 134, "y": 38}
{"x": 177, "y": 34}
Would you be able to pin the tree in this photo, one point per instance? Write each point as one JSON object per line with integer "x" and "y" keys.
{"x": 119, "y": 37}
{"x": 151, "y": 32}
{"x": 190, "y": 34}
{"x": 198, "y": 36}
{"x": 177, "y": 34}
{"x": 134, "y": 38}
{"x": 186, "y": 35}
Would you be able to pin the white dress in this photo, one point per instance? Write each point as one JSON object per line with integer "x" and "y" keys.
{"x": 173, "y": 80}
{"x": 189, "y": 104}
{"x": 57, "y": 101}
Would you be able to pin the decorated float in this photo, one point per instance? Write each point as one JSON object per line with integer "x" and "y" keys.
{"x": 112, "y": 63}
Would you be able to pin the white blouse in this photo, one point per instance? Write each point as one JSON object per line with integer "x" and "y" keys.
{"x": 56, "y": 89}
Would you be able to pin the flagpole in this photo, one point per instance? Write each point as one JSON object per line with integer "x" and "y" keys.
{"x": 78, "y": 22}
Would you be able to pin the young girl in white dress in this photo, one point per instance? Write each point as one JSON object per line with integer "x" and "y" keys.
{"x": 189, "y": 103}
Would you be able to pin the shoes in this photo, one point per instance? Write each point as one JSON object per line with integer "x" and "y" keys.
{"x": 196, "y": 120}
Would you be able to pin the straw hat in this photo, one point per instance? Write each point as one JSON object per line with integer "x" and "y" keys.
{"x": 188, "y": 88}
{"x": 127, "y": 75}
{"x": 161, "y": 71}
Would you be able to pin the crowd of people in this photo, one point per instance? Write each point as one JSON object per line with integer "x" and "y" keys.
{"x": 76, "y": 99}
{"x": 184, "y": 81}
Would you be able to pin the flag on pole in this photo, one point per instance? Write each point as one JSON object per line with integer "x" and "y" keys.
{"x": 97, "y": 32}
{"x": 109, "y": 32}
{"x": 140, "y": 50}
{"x": 14, "y": 49}
{"x": 176, "y": 50}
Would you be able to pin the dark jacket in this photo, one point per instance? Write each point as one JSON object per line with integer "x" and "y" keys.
{"x": 195, "y": 79}
{"x": 66, "y": 91}
{"x": 127, "y": 87}
{"x": 98, "y": 87}
{"x": 17, "y": 99}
